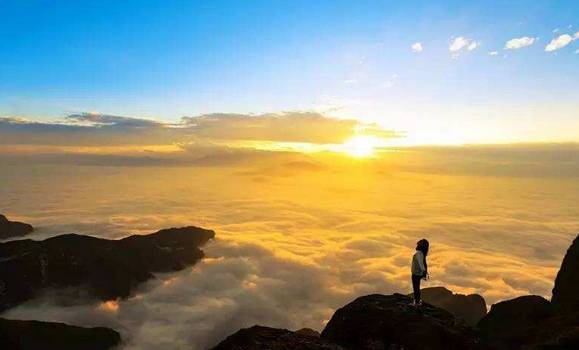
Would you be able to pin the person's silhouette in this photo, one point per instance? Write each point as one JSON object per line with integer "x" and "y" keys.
{"x": 419, "y": 268}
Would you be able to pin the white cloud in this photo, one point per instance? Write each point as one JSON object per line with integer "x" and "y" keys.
{"x": 417, "y": 47}
{"x": 556, "y": 30}
{"x": 459, "y": 44}
{"x": 518, "y": 43}
{"x": 559, "y": 42}
{"x": 576, "y": 36}
{"x": 493, "y": 53}
{"x": 577, "y": 52}
{"x": 473, "y": 45}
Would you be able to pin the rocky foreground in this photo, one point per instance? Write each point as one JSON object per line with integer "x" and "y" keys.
{"x": 389, "y": 322}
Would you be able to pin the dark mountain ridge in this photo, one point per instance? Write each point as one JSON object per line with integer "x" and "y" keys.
{"x": 11, "y": 229}
{"x": 33, "y": 335}
{"x": 107, "y": 269}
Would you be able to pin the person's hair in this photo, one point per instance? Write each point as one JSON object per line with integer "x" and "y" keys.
{"x": 423, "y": 245}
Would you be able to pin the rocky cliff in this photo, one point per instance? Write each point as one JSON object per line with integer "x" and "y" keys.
{"x": 532, "y": 322}
{"x": 566, "y": 291}
{"x": 390, "y": 322}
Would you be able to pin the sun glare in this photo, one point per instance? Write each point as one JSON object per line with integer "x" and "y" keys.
{"x": 361, "y": 146}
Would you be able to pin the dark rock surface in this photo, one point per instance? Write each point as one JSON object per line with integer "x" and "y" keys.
{"x": 36, "y": 335}
{"x": 265, "y": 338}
{"x": 566, "y": 291}
{"x": 511, "y": 324}
{"x": 308, "y": 331}
{"x": 11, "y": 229}
{"x": 470, "y": 308}
{"x": 108, "y": 269}
{"x": 376, "y": 321}
{"x": 532, "y": 322}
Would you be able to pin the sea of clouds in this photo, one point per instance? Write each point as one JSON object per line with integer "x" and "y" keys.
{"x": 298, "y": 235}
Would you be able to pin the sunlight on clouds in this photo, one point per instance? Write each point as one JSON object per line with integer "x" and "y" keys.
{"x": 361, "y": 146}
{"x": 109, "y": 306}
{"x": 309, "y": 231}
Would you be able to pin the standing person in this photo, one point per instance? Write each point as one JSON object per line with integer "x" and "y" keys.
{"x": 419, "y": 269}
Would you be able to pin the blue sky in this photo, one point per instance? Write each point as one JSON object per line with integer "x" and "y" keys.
{"x": 168, "y": 59}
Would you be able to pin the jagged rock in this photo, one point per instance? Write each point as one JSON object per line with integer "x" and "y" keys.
{"x": 376, "y": 321}
{"x": 566, "y": 291}
{"x": 532, "y": 322}
{"x": 265, "y": 338}
{"x": 10, "y": 229}
{"x": 36, "y": 335}
{"x": 108, "y": 269}
{"x": 513, "y": 323}
{"x": 470, "y": 308}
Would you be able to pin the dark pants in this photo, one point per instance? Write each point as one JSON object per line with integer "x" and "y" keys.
{"x": 416, "y": 287}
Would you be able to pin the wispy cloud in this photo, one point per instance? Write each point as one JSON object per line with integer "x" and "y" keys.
{"x": 518, "y": 43}
{"x": 98, "y": 119}
{"x": 493, "y": 53}
{"x": 93, "y": 129}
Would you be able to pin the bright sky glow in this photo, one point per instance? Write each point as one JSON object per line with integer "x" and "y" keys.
{"x": 441, "y": 72}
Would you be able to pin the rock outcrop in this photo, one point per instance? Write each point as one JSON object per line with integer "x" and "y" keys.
{"x": 265, "y": 338}
{"x": 566, "y": 291}
{"x": 470, "y": 308}
{"x": 108, "y": 269}
{"x": 513, "y": 323}
{"x": 11, "y": 229}
{"x": 390, "y": 322}
{"x": 36, "y": 335}
{"x": 532, "y": 322}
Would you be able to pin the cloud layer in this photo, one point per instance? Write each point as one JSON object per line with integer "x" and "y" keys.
{"x": 98, "y": 129}
{"x": 299, "y": 233}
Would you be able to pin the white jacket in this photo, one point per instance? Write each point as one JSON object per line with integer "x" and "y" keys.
{"x": 418, "y": 267}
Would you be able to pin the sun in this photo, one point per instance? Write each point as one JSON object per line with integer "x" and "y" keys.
{"x": 361, "y": 146}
